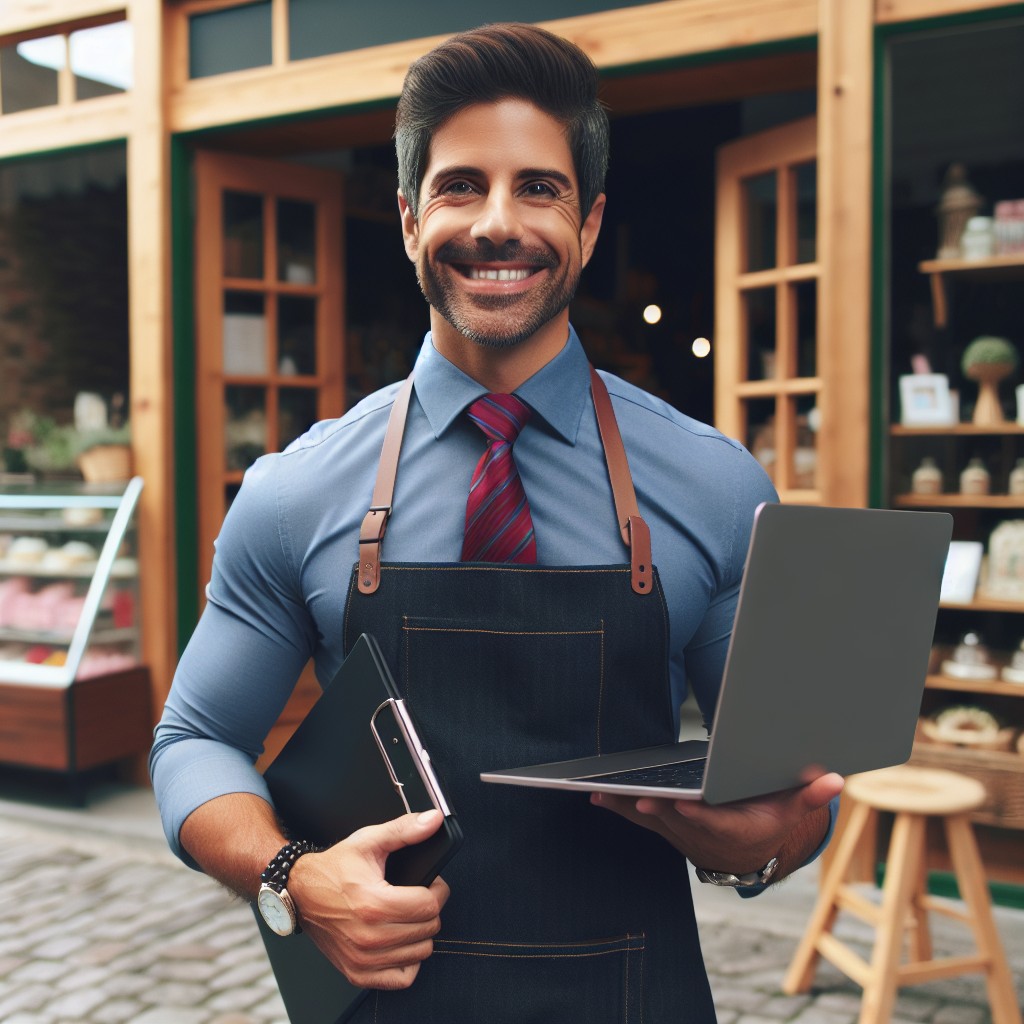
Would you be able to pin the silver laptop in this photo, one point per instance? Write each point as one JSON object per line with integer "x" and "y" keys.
{"x": 825, "y": 669}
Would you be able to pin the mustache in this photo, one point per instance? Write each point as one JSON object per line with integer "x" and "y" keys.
{"x": 485, "y": 251}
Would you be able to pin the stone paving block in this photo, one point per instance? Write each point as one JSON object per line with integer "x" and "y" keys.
{"x": 173, "y": 1015}
{"x": 241, "y": 974}
{"x": 100, "y": 953}
{"x": 75, "y": 1005}
{"x": 192, "y": 951}
{"x": 58, "y": 947}
{"x": 961, "y": 1013}
{"x": 23, "y": 997}
{"x": 816, "y": 1014}
{"x": 126, "y": 985}
{"x": 187, "y": 970}
{"x": 39, "y": 970}
{"x": 81, "y": 977}
{"x": 736, "y": 997}
{"x": 234, "y": 1018}
{"x": 235, "y": 999}
{"x": 842, "y": 1003}
{"x": 914, "y": 1005}
{"x": 177, "y": 993}
{"x": 116, "y": 1011}
{"x": 30, "y": 1018}
{"x": 781, "y": 1007}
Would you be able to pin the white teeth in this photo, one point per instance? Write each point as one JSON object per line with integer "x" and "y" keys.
{"x": 476, "y": 274}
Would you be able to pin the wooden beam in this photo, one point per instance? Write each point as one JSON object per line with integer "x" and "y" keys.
{"x": 84, "y": 123}
{"x": 22, "y": 17}
{"x": 890, "y": 11}
{"x": 619, "y": 38}
{"x": 149, "y": 310}
{"x": 844, "y": 247}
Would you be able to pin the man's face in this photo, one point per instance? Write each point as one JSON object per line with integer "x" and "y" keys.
{"x": 498, "y": 244}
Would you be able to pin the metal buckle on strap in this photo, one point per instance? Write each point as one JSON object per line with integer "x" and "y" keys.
{"x": 371, "y": 533}
{"x": 641, "y": 571}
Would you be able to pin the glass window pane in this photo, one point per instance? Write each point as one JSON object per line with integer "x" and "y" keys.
{"x": 806, "y": 295}
{"x": 296, "y": 241}
{"x": 232, "y": 39}
{"x": 296, "y": 414}
{"x": 761, "y": 433}
{"x": 63, "y": 303}
{"x": 806, "y": 182}
{"x": 245, "y": 425}
{"x": 296, "y": 344}
{"x": 101, "y": 59}
{"x": 245, "y": 334}
{"x": 760, "y": 205}
{"x": 243, "y": 234}
{"x": 28, "y": 73}
{"x": 759, "y": 315}
{"x": 803, "y": 473}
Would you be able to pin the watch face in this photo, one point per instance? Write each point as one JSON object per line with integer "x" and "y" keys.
{"x": 275, "y": 911}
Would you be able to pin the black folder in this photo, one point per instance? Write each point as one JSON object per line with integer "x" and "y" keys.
{"x": 332, "y": 778}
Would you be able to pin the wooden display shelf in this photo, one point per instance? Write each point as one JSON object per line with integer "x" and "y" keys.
{"x": 981, "y": 603}
{"x": 987, "y": 686}
{"x": 955, "y": 429}
{"x": 92, "y": 722}
{"x": 1010, "y": 501}
{"x": 995, "y": 267}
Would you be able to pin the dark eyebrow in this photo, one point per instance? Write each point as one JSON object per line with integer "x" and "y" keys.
{"x": 526, "y": 174}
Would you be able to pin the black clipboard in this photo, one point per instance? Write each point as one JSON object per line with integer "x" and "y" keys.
{"x": 332, "y": 778}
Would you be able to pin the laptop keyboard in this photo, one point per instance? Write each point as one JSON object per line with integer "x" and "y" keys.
{"x": 680, "y": 775}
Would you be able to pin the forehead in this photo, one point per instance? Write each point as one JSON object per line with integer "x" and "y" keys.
{"x": 504, "y": 135}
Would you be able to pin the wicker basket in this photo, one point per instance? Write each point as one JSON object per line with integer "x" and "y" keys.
{"x": 1000, "y": 772}
{"x": 106, "y": 463}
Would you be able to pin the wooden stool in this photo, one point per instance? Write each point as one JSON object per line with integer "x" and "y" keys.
{"x": 913, "y": 795}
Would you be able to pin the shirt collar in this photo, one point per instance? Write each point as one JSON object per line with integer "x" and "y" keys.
{"x": 558, "y": 392}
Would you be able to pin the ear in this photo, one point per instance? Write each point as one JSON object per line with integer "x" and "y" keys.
{"x": 410, "y": 229}
{"x": 591, "y": 228}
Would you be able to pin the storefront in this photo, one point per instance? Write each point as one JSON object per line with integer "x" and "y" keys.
{"x": 776, "y": 164}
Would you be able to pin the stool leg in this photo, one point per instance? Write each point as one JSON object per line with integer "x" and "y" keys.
{"x": 901, "y": 881}
{"x": 970, "y": 876}
{"x": 801, "y": 970}
{"x": 921, "y": 940}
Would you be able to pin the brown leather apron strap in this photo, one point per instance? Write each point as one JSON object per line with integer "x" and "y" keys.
{"x": 375, "y": 522}
{"x": 635, "y": 531}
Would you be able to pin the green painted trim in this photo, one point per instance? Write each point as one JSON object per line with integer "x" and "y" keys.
{"x": 66, "y": 151}
{"x": 943, "y": 883}
{"x": 878, "y": 415}
{"x": 901, "y": 28}
{"x": 186, "y": 515}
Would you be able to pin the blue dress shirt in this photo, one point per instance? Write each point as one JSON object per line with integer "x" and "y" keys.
{"x": 283, "y": 559}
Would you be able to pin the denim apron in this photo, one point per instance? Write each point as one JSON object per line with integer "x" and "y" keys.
{"x": 559, "y": 911}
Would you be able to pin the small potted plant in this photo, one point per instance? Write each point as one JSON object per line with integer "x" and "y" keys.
{"x": 988, "y": 360}
{"x": 104, "y": 455}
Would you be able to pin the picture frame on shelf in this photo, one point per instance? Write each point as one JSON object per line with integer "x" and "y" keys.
{"x": 926, "y": 401}
{"x": 960, "y": 576}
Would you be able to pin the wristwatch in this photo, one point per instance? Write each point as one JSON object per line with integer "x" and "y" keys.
{"x": 746, "y": 881}
{"x": 275, "y": 905}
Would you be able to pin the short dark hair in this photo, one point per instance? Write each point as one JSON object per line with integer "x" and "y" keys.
{"x": 498, "y": 62}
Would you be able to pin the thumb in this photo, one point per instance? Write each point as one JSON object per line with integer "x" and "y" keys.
{"x": 399, "y": 832}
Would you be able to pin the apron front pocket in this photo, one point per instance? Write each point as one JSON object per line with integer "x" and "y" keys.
{"x": 600, "y": 982}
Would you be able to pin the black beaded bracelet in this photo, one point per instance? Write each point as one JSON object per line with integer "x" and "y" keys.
{"x": 276, "y": 872}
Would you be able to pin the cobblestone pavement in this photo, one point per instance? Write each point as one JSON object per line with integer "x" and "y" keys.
{"x": 103, "y": 926}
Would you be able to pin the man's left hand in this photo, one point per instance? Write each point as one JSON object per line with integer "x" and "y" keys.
{"x": 738, "y": 837}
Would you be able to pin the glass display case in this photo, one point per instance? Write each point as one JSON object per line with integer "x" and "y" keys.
{"x": 73, "y": 693}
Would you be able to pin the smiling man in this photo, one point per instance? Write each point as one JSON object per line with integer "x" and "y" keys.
{"x": 511, "y": 601}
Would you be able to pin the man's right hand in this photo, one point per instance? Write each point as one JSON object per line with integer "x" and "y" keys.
{"x": 375, "y": 933}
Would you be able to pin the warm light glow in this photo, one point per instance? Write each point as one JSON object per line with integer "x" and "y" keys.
{"x": 652, "y": 313}
{"x": 701, "y": 347}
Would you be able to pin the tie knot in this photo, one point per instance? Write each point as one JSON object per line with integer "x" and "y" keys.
{"x": 500, "y": 417}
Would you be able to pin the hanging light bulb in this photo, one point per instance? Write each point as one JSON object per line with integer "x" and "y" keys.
{"x": 652, "y": 313}
{"x": 701, "y": 347}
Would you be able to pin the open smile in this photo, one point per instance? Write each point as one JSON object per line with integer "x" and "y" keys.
{"x": 475, "y": 273}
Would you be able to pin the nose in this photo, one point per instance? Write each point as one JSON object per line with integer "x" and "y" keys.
{"x": 498, "y": 219}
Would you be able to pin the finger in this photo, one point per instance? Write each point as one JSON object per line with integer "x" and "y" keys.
{"x": 823, "y": 789}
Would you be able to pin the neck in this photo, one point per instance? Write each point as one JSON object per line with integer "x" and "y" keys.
{"x": 500, "y": 370}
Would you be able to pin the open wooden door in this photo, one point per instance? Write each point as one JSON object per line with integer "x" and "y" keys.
{"x": 768, "y": 386}
{"x": 269, "y": 330}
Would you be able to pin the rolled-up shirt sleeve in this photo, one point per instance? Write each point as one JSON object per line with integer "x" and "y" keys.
{"x": 234, "y": 678}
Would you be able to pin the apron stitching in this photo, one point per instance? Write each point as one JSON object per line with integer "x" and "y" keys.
{"x": 408, "y": 673}
{"x": 600, "y": 689}
{"x": 629, "y": 939}
{"x": 625, "y": 994}
{"x": 348, "y": 606}
{"x": 643, "y": 947}
{"x": 504, "y": 632}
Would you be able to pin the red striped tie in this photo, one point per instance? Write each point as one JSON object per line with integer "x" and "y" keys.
{"x": 498, "y": 523}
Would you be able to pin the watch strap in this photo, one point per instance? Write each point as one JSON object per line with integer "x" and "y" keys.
{"x": 275, "y": 874}
{"x": 746, "y": 881}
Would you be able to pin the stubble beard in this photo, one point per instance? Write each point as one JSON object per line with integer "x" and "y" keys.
{"x": 527, "y": 313}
